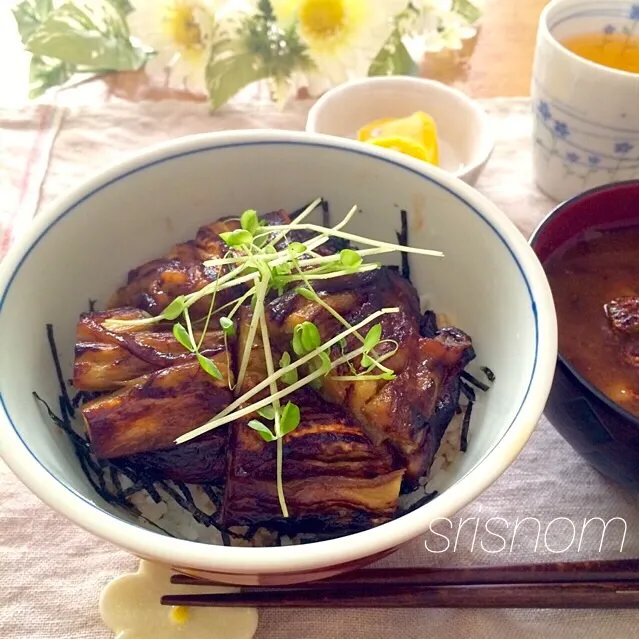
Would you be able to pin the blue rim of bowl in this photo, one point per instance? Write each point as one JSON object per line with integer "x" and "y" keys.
{"x": 537, "y": 233}
{"x": 215, "y": 147}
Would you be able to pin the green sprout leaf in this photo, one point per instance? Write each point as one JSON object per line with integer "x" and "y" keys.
{"x": 237, "y": 237}
{"x": 306, "y": 293}
{"x": 285, "y": 360}
{"x": 182, "y": 336}
{"x": 310, "y": 336}
{"x": 296, "y": 249}
{"x": 291, "y": 377}
{"x": 372, "y": 338}
{"x": 290, "y": 419}
{"x": 175, "y": 308}
{"x": 296, "y": 342}
{"x": 325, "y": 362}
{"x": 209, "y": 366}
{"x": 349, "y": 258}
{"x": 227, "y": 326}
{"x": 267, "y": 412}
{"x": 262, "y": 429}
{"x": 249, "y": 221}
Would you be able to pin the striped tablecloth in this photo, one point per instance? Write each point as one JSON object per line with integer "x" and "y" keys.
{"x": 51, "y": 573}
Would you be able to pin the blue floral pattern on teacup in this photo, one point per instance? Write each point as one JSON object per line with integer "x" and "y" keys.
{"x": 553, "y": 137}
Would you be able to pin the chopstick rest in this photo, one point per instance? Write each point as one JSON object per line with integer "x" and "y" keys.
{"x": 130, "y": 606}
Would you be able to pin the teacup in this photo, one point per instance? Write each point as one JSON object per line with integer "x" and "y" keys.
{"x": 586, "y": 115}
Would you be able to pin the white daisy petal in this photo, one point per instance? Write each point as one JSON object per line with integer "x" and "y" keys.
{"x": 180, "y": 31}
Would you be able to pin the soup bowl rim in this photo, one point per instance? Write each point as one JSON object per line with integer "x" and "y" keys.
{"x": 556, "y": 212}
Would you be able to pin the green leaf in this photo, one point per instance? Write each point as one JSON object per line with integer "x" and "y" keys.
{"x": 123, "y": 7}
{"x": 182, "y": 336}
{"x": 285, "y": 360}
{"x": 326, "y": 363}
{"x": 227, "y": 326}
{"x": 231, "y": 67}
{"x": 349, "y": 258}
{"x": 87, "y": 35}
{"x": 209, "y": 366}
{"x": 268, "y": 412}
{"x": 29, "y": 15}
{"x": 372, "y": 338}
{"x": 175, "y": 308}
{"x": 306, "y": 293}
{"x": 310, "y": 335}
{"x": 367, "y": 361}
{"x": 296, "y": 342}
{"x": 291, "y": 377}
{"x": 237, "y": 237}
{"x": 290, "y": 418}
{"x": 296, "y": 249}
{"x": 249, "y": 221}
{"x": 467, "y": 10}
{"x": 393, "y": 58}
{"x": 263, "y": 430}
{"x": 46, "y": 73}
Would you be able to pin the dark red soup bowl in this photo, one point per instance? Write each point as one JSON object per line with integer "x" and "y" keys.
{"x": 599, "y": 429}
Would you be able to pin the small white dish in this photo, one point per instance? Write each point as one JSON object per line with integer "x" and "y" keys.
{"x": 464, "y": 132}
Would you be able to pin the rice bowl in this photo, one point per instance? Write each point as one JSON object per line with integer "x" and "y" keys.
{"x": 204, "y": 177}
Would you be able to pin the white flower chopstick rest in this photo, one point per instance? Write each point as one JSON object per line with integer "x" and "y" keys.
{"x": 130, "y": 607}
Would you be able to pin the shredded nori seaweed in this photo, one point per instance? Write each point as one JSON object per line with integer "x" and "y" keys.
{"x": 489, "y": 374}
{"x": 421, "y": 502}
{"x": 66, "y": 400}
{"x": 97, "y": 470}
{"x": 402, "y": 240}
{"x": 326, "y": 215}
{"x": 474, "y": 381}
{"x": 471, "y": 397}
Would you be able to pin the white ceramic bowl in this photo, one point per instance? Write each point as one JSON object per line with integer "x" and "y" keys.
{"x": 489, "y": 281}
{"x": 465, "y": 138}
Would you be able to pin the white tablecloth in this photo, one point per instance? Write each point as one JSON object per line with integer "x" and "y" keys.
{"x": 51, "y": 572}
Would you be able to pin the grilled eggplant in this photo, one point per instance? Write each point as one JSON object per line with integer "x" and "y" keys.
{"x": 358, "y": 441}
{"x": 107, "y": 358}
{"x": 396, "y": 412}
{"x": 334, "y": 477}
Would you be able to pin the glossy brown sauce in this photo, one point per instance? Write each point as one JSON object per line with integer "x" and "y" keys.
{"x": 602, "y": 266}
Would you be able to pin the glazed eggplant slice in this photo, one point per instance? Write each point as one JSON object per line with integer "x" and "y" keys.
{"x": 395, "y": 412}
{"x": 331, "y": 472}
{"x": 150, "y": 412}
{"x": 199, "y": 461}
{"x": 107, "y": 358}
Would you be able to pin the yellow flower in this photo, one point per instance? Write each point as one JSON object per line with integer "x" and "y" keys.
{"x": 343, "y": 36}
{"x": 180, "y": 31}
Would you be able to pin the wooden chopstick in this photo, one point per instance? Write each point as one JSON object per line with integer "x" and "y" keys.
{"x": 593, "y": 584}
{"x": 560, "y": 572}
{"x": 582, "y": 595}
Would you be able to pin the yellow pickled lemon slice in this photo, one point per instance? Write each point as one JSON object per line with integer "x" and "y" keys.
{"x": 403, "y": 145}
{"x": 405, "y": 135}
